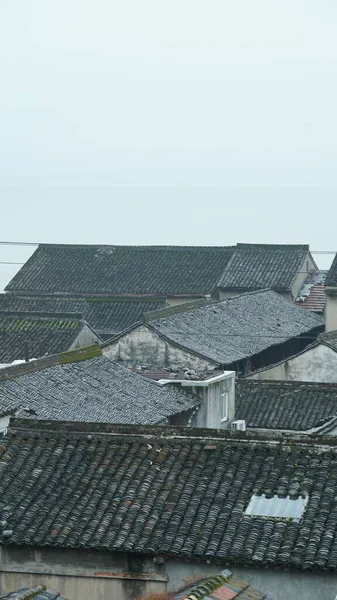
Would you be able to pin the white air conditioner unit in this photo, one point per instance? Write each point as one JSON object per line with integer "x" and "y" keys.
{"x": 238, "y": 425}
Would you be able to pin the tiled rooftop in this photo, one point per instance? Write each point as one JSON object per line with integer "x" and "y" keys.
{"x": 93, "y": 390}
{"x": 289, "y": 405}
{"x": 45, "y": 334}
{"x": 171, "y": 492}
{"x": 107, "y": 316}
{"x": 38, "y": 592}
{"x": 158, "y": 270}
{"x": 312, "y": 295}
{"x": 235, "y": 328}
{"x": 257, "y": 266}
{"x": 136, "y": 270}
{"x": 224, "y": 586}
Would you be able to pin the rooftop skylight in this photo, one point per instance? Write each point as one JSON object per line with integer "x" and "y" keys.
{"x": 280, "y": 508}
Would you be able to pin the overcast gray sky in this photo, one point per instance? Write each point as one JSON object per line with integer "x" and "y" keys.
{"x": 168, "y": 122}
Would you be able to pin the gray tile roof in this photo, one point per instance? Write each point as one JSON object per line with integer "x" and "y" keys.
{"x": 169, "y": 492}
{"x": 39, "y": 592}
{"x": 331, "y": 279}
{"x": 329, "y": 339}
{"x": 137, "y": 270}
{"x": 104, "y": 315}
{"x": 44, "y": 333}
{"x": 236, "y": 328}
{"x": 258, "y": 266}
{"x": 290, "y": 405}
{"x": 93, "y": 390}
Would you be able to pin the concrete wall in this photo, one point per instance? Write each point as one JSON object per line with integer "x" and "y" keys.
{"x": 330, "y": 312}
{"x": 315, "y": 364}
{"x": 209, "y": 412}
{"x": 277, "y": 584}
{"x": 80, "y": 575}
{"x": 84, "y": 575}
{"x": 143, "y": 347}
{"x": 86, "y": 337}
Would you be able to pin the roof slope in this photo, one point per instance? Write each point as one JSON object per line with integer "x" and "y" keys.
{"x": 156, "y": 493}
{"x": 224, "y": 586}
{"x": 312, "y": 295}
{"x": 288, "y": 405}
{"x": 104, "y": 315}
{"x": 93, "y": 390}
{"x": 52, "y": 333}
{"x": 329, "y": 338}
{"x": 258, "y": 266}
{"x": 38, "y": 592}
{"x": 235, "y": 328}
{"x": 331, "y": 279}
{"x": 138, "y": 270}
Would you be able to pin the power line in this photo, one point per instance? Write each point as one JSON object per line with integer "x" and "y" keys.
{"x": 5, "y": 262}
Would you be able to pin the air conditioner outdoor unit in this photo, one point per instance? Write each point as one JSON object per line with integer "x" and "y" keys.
{"x": 239, "y": 425}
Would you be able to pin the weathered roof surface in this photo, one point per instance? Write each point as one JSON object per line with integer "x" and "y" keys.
{"x": 38, "y": 592}
{"x": 93, "y": 390}
{"x": 169, "y": 491}
{"x": 329, "y": 339}
{"x": 235, "y": 328}
{"x": 138, "y": 270}
{"x": 312, "y": 295}
{"x": 224, "y": 586}
{"x": 258, "y": 266}
{"x": 52, "y": 333}
{"x": 104, "y": 315}
{"x": 331, "y": 279}
{"x": 290, "y": 405}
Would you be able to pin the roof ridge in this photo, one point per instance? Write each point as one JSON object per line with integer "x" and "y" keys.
{"x": 242, "y": 245}
{"x": 42, "y": 315}
{"x": 283, "y": 382}
{"x": 138, "y": 247}
{"x": 39, "y": 364}
{"x": 180, "y": 308}
{"x": 175, "y": 433}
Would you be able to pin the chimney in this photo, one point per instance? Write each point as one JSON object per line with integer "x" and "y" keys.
{"x": 217, "y": 409}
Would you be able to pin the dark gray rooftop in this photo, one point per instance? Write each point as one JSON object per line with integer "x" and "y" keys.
{"x": 44, "y": 333}
{"x": 236, "y": 328}
{"x": 290, "y": 405}
{"x": 136, "y": 270}
{"x": 93, "y": 390}
{"x": 258, "y": 266}
{"x": 161, "y": 491}
{"x": 105, "y": 315}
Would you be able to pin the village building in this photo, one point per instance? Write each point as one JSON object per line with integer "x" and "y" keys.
{"x": 112, "y": 286}
{"x": 31, "y": 335}
{"x": 122, "y": 511}
{"x": 317, "y": 362}
{"x": 331, "y": 297}
{"x": 283, "y": 268}
{"x": 243, "y": 333}
{"x": 83, "y": 385}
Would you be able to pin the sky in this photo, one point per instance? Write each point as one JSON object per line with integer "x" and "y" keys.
{"x": 167, "y": 122}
